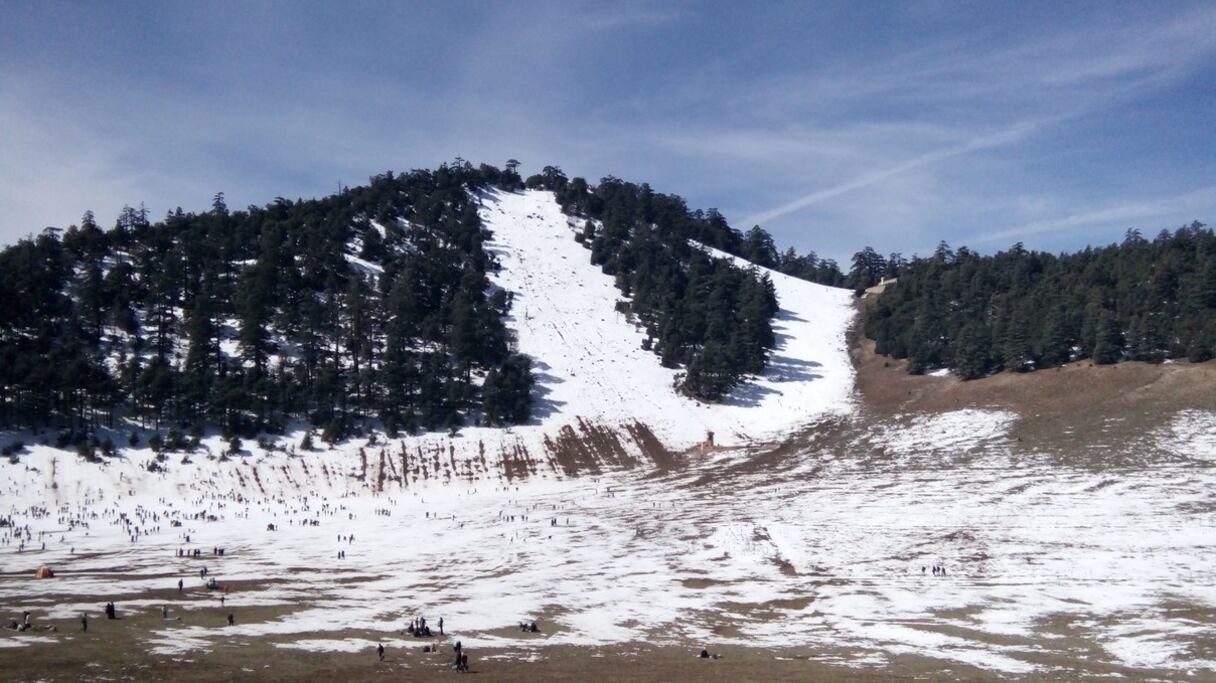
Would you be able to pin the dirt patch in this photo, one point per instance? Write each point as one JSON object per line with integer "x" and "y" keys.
{"x": 101, "y": 657}
{"x": 1080, "y": 407}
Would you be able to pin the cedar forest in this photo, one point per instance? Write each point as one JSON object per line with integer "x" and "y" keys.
{"x": 370, "y": 307}
{"x": 373, "y": 307}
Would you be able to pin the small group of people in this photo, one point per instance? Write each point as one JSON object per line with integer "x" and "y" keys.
{"x": 111, "y": 613}
{"x": 462, "y": 658}
{"x": 938, "y": 570}
{"x": 419, "y": 629}
{"x": 25, "y": 624}
{"x": 529, "y": 627}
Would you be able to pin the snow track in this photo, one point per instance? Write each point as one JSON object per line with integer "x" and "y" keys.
{"x": 591, "y": 361}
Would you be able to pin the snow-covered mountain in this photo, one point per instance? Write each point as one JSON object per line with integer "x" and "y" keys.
{"x": 600, "y": 400}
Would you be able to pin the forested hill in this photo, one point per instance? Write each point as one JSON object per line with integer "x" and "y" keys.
{"x": 372, "y": 303}
{"x": 700, "y": 312}
{"x": 1022, "y": 310}
{"x": 369, "y": 308}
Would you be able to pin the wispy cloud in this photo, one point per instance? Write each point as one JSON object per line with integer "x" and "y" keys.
{"x": 995, "y": 139}
{"x": 906, "y": 128}
{"x": 1181, "y": 207}
{"x": 1053, "y": 76}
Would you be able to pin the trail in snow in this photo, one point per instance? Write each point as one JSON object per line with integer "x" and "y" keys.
{"x": 591, "y": 361}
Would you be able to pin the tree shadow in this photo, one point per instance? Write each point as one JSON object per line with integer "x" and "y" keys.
{"x": 543, "y": 407}
{"x": 787, "y": 369}
{"x": 747, "y": 395}
{"x": 786, "y": 314}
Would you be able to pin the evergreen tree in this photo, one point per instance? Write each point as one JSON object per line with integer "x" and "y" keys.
{"x": 1108, "y": 340}
{"x": 972, "y": 353}
{"x": 1137, "y": 300}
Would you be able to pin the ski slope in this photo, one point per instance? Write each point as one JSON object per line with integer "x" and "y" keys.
{"x": 590, "y": 361}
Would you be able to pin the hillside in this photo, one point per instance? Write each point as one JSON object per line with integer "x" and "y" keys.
{"x": 591, "y": 364}
{"x": 372, "y": 311}
{"x": 1021, "y": 310}
{"x": 600, "y": 399}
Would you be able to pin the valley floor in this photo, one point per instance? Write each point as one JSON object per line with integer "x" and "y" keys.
{"x": 795, "y": 561}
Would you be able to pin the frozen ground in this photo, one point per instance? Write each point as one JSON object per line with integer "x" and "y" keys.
{"x": 1049, "y": 568}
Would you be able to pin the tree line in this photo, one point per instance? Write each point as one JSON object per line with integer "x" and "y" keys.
{"x": 701, "y": 313}
{"x": 369, "y": 305}
{"x": 1020, "y": 310}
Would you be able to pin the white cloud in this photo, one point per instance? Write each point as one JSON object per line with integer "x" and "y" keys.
{"x": 1178, "y": 209}
{"x": 889, "y": 145}
{"x": 995, "y": 139}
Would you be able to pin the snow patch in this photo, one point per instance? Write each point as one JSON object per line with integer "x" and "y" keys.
{"x": 955, "y": 430}
{"x": 1192, "y": 434}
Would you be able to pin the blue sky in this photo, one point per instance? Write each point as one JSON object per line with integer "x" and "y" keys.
{"x": 833, "y": 125}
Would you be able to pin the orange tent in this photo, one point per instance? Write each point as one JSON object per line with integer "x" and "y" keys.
{"x": 44, "y": 572}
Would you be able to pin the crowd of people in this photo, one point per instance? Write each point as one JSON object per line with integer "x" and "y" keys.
{"x": 180, "y": 527}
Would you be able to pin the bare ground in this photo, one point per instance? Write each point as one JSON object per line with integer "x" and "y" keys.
{"x": 1060, "y": 409}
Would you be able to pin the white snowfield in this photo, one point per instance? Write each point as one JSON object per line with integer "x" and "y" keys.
{"x": 1098, "y": 571}
{"x": 590, "y": 360}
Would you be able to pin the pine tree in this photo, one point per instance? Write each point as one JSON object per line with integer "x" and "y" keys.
{"x": 1016, "y": 347}
{"x": 201, "y": 340}
{"x": 759, "y": 248}
{"x": 1053, "y": 348}
{"x": 971, "y": 360}
{"x": 1108, "y": 340}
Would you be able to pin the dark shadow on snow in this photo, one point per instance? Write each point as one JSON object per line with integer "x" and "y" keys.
{"x": 543, "y": 407}
{"x": 785, "y": 314}
{"x": 779, "y": 368}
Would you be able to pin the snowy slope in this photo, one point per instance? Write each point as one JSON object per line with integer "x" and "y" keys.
{"x": 591, "y": 361}
{"x": 600, "y": 398}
